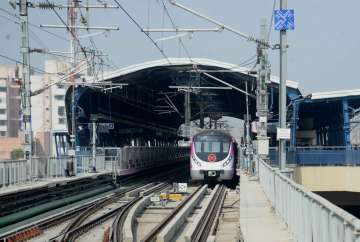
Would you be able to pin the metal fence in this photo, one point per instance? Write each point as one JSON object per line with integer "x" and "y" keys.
{"x": 309, "y": 217}
{"x": 13, "y": 172}
{"x": 319, "y": 156}
{"x": 21, "y": 171}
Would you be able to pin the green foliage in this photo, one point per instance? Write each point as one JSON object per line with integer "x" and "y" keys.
{"x": 17, "y": 154}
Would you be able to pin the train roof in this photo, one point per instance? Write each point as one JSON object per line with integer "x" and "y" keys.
{"x": 212, "y": 132}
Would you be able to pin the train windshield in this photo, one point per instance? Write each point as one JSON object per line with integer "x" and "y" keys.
{"x": 212, "y": 147}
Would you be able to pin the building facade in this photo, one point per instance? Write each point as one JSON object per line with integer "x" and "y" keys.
{"x": 47, "y": 109}
{"x": 10, "y": 111}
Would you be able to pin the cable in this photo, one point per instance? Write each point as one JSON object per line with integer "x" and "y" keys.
{"x": 148, "y": 13}
{"x": 271, "y": 21}
{"x": 141, "y": 29}
{"x": 11, "y": 20}
{"x": 33, "y": 25}
{"x": 93, "y": 44}
{"x": 175, "y": 26}
{"x": 247, "y": 61}
{"x": 162, "y": 26}
{"x": 38, "y": 40}
{"x": 20, "y": 62}
{"x": 69, "y": 30}
{"x": 38, "y": 70}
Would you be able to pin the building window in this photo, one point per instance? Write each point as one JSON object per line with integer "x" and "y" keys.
{"x": 61, "y": 121}
{"x": 2, "y": 111}
{"x": 3, "y": 122}
{"x": 3, "y": 89}
{"x": 61, "y": 111}
{"x": 59, "y": 97}
{"x": 2, "y": 133}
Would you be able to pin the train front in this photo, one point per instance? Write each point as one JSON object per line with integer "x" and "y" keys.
{"x": 212, "y": 156}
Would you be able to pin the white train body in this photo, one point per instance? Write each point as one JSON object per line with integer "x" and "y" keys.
{"x": 213, "y": 156}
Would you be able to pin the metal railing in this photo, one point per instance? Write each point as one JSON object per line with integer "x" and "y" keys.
{"x": 319, "y": 156}
{"x": 14, "y": 172}
{"x": 309, "y": 217}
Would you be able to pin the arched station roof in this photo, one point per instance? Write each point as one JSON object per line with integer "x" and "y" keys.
{"x": 187, "y": 62}
{"x": 151, "y": 104}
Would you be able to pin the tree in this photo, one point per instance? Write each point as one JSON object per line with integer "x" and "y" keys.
{"x": 17, "y": 154}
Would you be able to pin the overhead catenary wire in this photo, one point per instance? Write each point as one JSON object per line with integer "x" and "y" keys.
{"x": 271, "y": 21}
{"x": 62, "y": 78}
{"x": 32, "y": 35}
{"x": 71, "y": 32}
{"x": 246, "y": 62}
{"x": 195, "y": 66}
{"x": 45, "y": 51}
{"x": 39, "y": 70}
{"x": 34, "y": 25}
{"x": 175, "y": 26}
{"x": 93, "y": 44}
{"x": 141, "y": 29}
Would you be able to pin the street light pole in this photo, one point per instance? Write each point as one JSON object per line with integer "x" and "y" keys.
{"x": 282, "y": 92}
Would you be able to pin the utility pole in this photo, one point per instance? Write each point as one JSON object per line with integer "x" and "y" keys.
{"x": 25, "y": 84}
{"x": 261, "y": 97}
{"x": 93, "y": 168}
{"x": 248, "y": 149}
{"x": 282, "y": 92}
{"x": 71, "y": 21}
{"x": 72, "y": 7}
{"x": 187, "y": 107}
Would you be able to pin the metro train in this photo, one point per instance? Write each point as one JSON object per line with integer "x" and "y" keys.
{"x": 213, "y": 156}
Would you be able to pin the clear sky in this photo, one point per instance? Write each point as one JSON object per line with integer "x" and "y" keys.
{"x": 323, "y": 54}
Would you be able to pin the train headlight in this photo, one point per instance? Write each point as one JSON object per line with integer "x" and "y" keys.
{"x": 227, "y": 162}
{"x": 196, "y": 161}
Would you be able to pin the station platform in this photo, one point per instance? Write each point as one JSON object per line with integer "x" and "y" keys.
{"x": 48, "y": 182}
{"x": 258, "y": 222}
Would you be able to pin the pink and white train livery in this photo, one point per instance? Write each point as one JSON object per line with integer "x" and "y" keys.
{"x": 213, "y": 156}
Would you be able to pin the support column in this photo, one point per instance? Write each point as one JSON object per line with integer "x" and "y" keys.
{"x": 346, "y": 124}
{"x": 187, "y": 108}
{"x": 93, "y": 143}
{"x": 26, "y": 84}
{"x": 282, "y": 93}
{"x": 295, "y": 118}
{"x": 262, "y": 97}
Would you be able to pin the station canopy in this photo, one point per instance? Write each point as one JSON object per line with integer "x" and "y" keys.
{"x": 152, "y": 100}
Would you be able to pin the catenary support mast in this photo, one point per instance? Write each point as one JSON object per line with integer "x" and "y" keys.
{"x": 282, "y": 93}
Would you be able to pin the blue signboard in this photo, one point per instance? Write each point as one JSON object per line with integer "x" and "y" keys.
{"x": 284, "y": 19}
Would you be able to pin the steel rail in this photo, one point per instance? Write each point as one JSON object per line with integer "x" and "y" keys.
{"x": 215, "y": 224}
{"x": 73, "y": 212}
{"x": 151, "y": 236}
{"x": 74, "y": 229}
{"x": 121, "y": 216}
{"x": 74, "y": 234}
{"x": 78, "y": 229}
{"x": 203, "y": 229}
{"x": 116, "y": 229}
